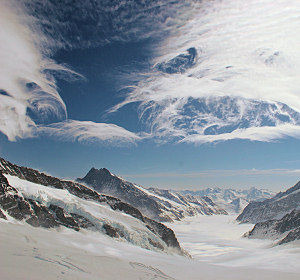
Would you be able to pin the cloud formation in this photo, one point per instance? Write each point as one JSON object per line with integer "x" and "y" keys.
{"x": 29, "y": 98}
{"x": 221, "y": 70}
{"x": 87, "y": 131}
{"x": 244, "y": 80}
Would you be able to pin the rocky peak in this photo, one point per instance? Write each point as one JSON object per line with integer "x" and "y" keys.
{"x": 97, "y": 176}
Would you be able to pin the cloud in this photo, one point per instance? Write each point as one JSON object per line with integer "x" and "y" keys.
{"x": 263, "y": 134}
{"x": 247, "y": 67}
{"x": 87, "y": 131}
{"x": 221, "y": 71}
{"x": 99, "y": 22}
{"x": 29, "y": 98}
{"x": 27, "y": 82}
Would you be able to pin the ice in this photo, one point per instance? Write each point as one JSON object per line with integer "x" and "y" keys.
{"x": 37, "y": 253}
{"x": 218, "y": 240}
{"x": 215, "y": 243}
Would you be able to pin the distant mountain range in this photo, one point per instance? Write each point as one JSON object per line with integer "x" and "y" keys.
{"x": 277, "y": 218}
{"x": 106, "y": 203}
{"x": 160, "y": 205}
{"x": 233, "y": 201}
{"x": 45, "y": 201}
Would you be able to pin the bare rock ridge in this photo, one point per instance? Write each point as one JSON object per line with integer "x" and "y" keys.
{"x": 277, "y": 218}
{"x": 160, "y": 205}
{"x": 285, "y": 230}
{"x": 273, "y": 208}
{"x": 15, "y": 204}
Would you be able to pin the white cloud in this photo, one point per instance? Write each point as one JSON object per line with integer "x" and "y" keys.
{"x": 25, "y": 80}
{"x": 29, "y": 96}
{"x": 263, "y": 134}
{"x": 248, "y": 51}
{"x": 87, "y": 131}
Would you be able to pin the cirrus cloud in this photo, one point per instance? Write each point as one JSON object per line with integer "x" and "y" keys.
{"x": 242, "y": 84}
{"x": 88, "y": 131}
{"x": 29, "y": 98}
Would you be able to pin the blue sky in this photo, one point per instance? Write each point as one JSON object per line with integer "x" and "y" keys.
{"x": 163, "y": 93}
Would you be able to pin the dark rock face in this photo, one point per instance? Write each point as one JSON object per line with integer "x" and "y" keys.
{"x": 39, "y": 215}
{"x": 166, "y": 234}
{"x": 112, "y": 231}
{"x": 43, "y": 215}
{"x": 274, "y": 208}
{"x": 287, "y": 228}
{"x": 63, "y": 218}
{"x": 82, "y": 221}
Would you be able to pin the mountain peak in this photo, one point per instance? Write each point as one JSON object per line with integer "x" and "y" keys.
{"x": 95, "y": 171}
{"x": 94, "y": 176}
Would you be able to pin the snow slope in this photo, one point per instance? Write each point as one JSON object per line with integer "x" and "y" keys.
{"x": 37, "y": 253}
{"x": 219, "y": 240}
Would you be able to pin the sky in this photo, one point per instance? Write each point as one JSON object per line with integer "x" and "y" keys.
{"x": 168, "y": 94}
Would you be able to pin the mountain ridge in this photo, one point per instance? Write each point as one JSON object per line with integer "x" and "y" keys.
{"x": 274, "y": 208}
{"x": 41, "y": 200}
{"x": 160, "y": 205}
{"x": 232, "y": 200}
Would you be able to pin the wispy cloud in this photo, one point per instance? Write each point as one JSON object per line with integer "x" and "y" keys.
{"x": 27, "y": 82}
{"x": 87, "y": 131}
{"x": 29, "y": 98}
{"x": 242, "y": 82}
{"x": 246, "y": 51}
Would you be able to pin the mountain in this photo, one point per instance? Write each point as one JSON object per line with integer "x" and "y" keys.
{"x": 40, "y": 200}
{"x": 273, "y": 208}
{"x": 284, "y": 230}
{"x": 233, "y": 201}
{"x": 160, "y": 205}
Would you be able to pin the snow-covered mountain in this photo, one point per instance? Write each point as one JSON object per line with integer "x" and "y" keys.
{"x": 285, "y": 230}
{"x": 233, "y": 201}
{"x": 26, "y": 195}
{"x": 160, "y": 205}
{"x": 273, "y": 208}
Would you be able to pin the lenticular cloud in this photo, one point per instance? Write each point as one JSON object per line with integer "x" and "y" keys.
{"x": 231, "y": 71}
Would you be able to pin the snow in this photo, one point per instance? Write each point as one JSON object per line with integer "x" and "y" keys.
{"x": 215, "y": 243}
{"x": 218, "y": 240}
{"x": 232, "y": 200}
{"x": 37, "y": 253}
{"x": 161, "y": 198}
